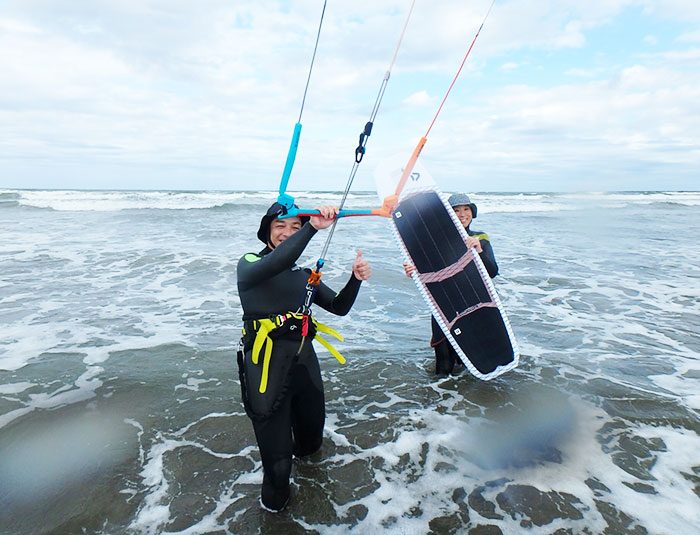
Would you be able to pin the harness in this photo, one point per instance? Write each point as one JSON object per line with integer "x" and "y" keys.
{"x": 294, "y": 323}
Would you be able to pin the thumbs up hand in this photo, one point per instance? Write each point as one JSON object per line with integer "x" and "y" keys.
{"x": 361, "y": 268}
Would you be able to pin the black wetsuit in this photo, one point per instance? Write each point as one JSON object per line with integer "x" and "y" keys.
{"x": 289, "y": 416}
{"x": 445, "y": 355}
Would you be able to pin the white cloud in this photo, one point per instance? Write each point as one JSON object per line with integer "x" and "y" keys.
{"x": 642, "y": 117}
{"x": 510, "y": 66}
{"x": 685, "y": 10}
{"x": 688, "y": 56}
{"x": 690, "y": 37}
{"x": 15, "y": 26}
{"x": 214, "y": 92}
{"x": 420, "y": 99}
{"x": 582, "y": 73}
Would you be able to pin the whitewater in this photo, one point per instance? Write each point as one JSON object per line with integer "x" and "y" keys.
{"x": 120, "y": 409}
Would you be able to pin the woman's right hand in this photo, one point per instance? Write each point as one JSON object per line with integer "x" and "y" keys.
{"x": 408, "y": 268}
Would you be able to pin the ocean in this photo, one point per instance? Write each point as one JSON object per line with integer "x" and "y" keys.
{"x": 121, "y": 413}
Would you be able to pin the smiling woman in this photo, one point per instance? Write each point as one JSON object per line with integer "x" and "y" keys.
{"x": 281, "y": 229}
{"x": 271, "y": 218}
{"x": 283, "y": 393}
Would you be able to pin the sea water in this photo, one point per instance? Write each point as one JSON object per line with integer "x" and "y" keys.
{"x": 121, "y": 413}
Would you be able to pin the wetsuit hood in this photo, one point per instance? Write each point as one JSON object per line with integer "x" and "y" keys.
{"x": 273, "y": 212}
{"x": 461, "y": 199}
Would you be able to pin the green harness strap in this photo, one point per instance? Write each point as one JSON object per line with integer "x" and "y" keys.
{"x": 264, "y": 326}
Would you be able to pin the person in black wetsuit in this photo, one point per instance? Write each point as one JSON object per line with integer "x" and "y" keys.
{"x": 445, "y": 355}
{"x": 283, "y": 391}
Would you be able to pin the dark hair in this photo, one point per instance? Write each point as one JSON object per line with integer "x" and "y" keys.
{"x": 273, "y": 212}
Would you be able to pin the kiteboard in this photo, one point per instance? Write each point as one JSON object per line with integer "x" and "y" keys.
{"x": 449, "y": 275}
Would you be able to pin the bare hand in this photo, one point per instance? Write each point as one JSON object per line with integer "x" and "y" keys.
{"x": 360, "y": 267}
{"x": 408, "y": 268}
{"x": 325, "y": 219}
{"x": 473, "y": 242}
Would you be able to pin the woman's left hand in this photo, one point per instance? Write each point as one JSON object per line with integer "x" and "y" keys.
{"x": 473, "y": 242}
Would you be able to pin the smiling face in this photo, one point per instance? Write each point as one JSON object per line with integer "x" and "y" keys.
{"x": 281, "y": 229}
{"x": 464, "y": 214}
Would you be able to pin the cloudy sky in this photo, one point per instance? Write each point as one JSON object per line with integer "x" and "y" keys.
{"x": 557, "y": 95}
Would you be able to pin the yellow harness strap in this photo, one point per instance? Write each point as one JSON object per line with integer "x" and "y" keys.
{"x": 321, "y": 328}
{"x": 262, "y": 338}
{"x": 264, "y": 326}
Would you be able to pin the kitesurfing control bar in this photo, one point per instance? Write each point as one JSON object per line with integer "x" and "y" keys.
{"x": 360, "y": 150}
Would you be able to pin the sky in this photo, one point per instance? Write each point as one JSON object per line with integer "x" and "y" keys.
{"x": 557, "y": 95}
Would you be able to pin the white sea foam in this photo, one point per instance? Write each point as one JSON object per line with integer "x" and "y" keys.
{"x": 70, "y": 200}
{"x": 15, "y": 388}
{"x": 154, "y": 511}
{"x": 429, "y": 459}
{"x": 21, "y": 344}
{"x": 113, "y": 201}
{"x": 670, "y": 509}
